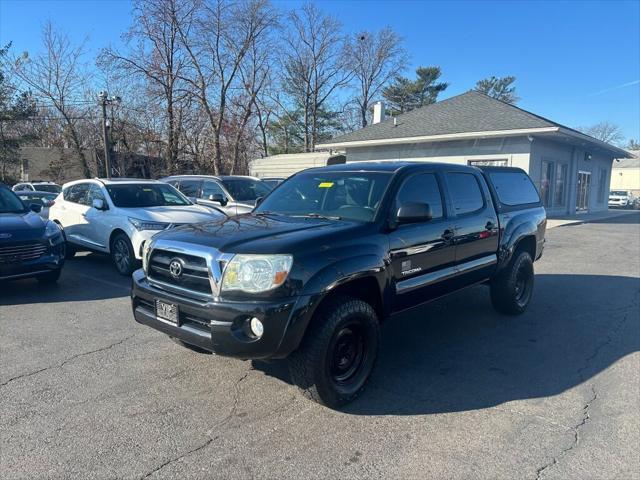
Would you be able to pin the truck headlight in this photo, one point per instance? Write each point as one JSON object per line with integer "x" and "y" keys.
{"x": 147, "y": 225}
{"x": 256, "y": 273}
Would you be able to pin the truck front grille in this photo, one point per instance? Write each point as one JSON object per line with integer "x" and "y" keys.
{"x": 22, "y": 252}
{"x": 192, "y": 278}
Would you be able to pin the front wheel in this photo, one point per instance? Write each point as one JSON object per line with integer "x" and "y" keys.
{"x": 122, "y": 254}
{"x": 338, "y": 353}
{"x": 512, "y": 289}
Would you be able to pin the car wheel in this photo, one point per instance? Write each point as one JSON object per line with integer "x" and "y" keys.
{"x": 49, "y": 278}
{"x": 189, "y": 346}
{"x": 512, "y": 289}
{"x": 338, "y": 352}
{"x": 122, "y": 254}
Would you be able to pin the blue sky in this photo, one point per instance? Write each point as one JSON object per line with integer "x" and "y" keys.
{"x": 576, "y": 62}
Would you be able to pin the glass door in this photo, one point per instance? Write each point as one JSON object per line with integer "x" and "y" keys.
{"x": 584, "y": 184}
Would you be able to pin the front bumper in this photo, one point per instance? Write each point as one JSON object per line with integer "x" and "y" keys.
{"x": 138, "y": 238}
{"x": 50, "y": 261}
{"x": 218, "y": 326}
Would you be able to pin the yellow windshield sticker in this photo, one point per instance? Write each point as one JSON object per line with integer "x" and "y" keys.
{"x": 326, "y": 185}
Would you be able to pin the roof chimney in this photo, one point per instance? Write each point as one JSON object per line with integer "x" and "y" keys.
{"x": 378, "y": 112}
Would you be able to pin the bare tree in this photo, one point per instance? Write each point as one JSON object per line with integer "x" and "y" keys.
{"x": 226, "y": 45}
{"x": 58, "y": 78}
{"x": 314, "y": 66}
{"x": 375, "y": 58}
{"x": 604, "y": 131}
{"x": 154, "y": 52}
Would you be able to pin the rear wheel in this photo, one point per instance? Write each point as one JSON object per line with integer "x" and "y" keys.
{"x": 338, "y": 353}
{"x": 122, "y": 254}
{"x": 512, "y": 289}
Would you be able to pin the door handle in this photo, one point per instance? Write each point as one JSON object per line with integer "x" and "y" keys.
{"x": 448, "y": 234}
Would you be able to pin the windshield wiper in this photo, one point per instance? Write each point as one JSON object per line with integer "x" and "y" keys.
{"x": 318, "y": 215}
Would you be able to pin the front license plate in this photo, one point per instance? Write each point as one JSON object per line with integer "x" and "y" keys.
{"x": 167, "y": 311}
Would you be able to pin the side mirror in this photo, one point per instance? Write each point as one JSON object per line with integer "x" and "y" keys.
{"x": 414, "y": 212}
{"x": 34, "y": 207}
{"x": 98, "y": 204}
{"x": 218, "y": 198}
{"x": 259, "y": 200}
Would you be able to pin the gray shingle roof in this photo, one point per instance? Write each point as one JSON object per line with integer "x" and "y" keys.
{"x": 469, "y": 112}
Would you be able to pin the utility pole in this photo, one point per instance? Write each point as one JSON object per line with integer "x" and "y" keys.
{"x": 104, "y": 100}
{"x": 103, "y": 97}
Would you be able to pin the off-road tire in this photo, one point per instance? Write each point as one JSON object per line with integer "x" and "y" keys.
{"x": 311, "y": 364}
{"x": 512, "y": 289}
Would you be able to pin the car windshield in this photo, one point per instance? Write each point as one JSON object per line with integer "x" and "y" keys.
{"x": 36, "y": 197}
{"x": 48, "y": 187}
{"x": 137, "y": 195}
{"x": 620, "y": 193}
{"x": 245, "y": 189}
{"x": 348, "y": 195}
{"x": 9, "y": 202}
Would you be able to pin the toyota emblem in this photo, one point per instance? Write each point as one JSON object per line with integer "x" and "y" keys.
{"x": 175, "y": 268}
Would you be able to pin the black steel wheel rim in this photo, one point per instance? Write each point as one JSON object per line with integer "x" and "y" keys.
{"x": 121, "y": 254}
{"x": 347, "y": 354}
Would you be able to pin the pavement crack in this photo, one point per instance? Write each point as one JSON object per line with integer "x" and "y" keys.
{"x": 576, "y": 435}
{"x": 224, "y": 421}
{"x": 66, "y": 361}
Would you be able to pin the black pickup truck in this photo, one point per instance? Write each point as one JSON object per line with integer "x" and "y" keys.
{"x": 330, "y": 254}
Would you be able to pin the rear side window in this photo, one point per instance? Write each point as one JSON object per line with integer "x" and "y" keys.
{"x": 514, "y": 188}
{"x": 190, "y": 187}
{"x": 421, "y": 188}
{"x": 466, "y": 195}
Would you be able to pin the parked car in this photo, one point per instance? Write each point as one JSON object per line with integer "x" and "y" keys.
{"x": 273, "y": 182}
{"x": 326, "y": 257}
{"x": 44, "y": 199}
{"x": 621, "y": 198}
{"x": 118, "y": 216}
{"x": 233, "y": 194}
{"x": 30, "y": 247}
{"x": 37, "y": 186}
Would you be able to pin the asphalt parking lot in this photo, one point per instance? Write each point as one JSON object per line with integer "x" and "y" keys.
{"x": 459, "y": 392}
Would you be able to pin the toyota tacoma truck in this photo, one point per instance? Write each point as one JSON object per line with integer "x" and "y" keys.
{"x": 324, "y": 259}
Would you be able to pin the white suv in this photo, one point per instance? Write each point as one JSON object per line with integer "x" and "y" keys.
{"x": 117, "y": 216}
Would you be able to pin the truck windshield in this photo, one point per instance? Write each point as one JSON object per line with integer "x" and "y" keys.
{"x": 137, "y": 195}
{"x": 348, "y": 195}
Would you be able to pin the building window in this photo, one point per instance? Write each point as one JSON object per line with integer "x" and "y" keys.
{"x": 561, "y": 186}
{"x": 499, "y": 162}
{"x": 602, "y": 186}
{"x": 546, "y": 177}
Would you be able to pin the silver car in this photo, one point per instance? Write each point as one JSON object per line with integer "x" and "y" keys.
{"x": 233, "y": 194}
{"x": 44, "y": 199}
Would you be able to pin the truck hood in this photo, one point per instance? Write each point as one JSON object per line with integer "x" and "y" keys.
{"x": 21, "y": 226}
{"x": 250, "y": 233}
{"x": 178, "y": 214}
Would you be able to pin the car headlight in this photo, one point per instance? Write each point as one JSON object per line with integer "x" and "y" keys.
{"x": 256, "y": 273}
{"x": 147, "y": 225}
{"x": 146, "y": 249}
{"x": 51, "y": 229}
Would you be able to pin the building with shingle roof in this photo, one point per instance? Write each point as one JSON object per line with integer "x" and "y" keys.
{"x": 571, "y": 169}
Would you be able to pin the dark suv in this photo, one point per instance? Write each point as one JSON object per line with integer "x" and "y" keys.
{"x": 330, "y": 254}
{"x": 29, "y": 245}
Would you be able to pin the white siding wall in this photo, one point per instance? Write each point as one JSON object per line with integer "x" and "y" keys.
{"x": 514, "y": 149}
